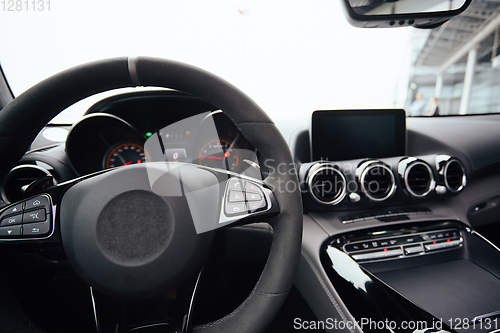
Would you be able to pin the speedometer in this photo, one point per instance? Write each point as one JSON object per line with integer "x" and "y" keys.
{"x": 219, "y": 153}
{"x": 125, "y": 154}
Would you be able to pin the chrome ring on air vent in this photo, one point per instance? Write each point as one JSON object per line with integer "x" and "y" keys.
{"x": 326, "y": 184}
{"x": 418, "y": 178}
{"x": 454, "y": 176}
{"x": 377, "y": 180}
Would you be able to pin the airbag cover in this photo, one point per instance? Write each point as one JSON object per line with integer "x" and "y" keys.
{"x": 127, "y": 241}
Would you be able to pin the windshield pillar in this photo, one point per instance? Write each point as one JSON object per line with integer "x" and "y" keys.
{"x": 6, "y": 95}
{"x": 469, "y": 78}
{"x": 439, "y": 85}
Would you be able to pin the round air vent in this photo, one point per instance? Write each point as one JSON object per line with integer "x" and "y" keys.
{"x": 17, "y": 180}
{"x": 419, "y": 179}
{"x": 327, "y": 185}
{"x": 454, "y": 176}
{"x": 377, "y": 182}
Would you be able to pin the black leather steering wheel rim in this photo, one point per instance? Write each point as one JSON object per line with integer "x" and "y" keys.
{"x": 38, "y": 105}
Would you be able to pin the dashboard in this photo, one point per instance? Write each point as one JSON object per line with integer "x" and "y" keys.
{"x": 139, "y": 127}
{"x": 400, "y": 221}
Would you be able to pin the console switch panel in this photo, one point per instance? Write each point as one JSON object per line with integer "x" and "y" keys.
{"x": 411, "y": 244}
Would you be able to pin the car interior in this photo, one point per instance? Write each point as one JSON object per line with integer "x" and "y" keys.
{"x": 176, "y": 204}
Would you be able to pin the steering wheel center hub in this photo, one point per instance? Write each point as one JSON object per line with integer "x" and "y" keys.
{"x": 134, "y": 228}
{"x": 127, "y": 241}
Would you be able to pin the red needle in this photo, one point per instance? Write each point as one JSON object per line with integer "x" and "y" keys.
{"x": 129, "y": 162}
{"x": 212, "y": 157}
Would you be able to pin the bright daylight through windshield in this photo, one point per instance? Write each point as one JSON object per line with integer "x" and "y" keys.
{"x": 292, "y": 58}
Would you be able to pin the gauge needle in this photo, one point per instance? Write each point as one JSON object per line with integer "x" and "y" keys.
{"x": 212, "y": 157}
{"x": 129, "y": 162}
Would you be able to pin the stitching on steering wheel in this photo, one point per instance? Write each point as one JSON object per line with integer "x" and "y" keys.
{"x": 238, "y": 309}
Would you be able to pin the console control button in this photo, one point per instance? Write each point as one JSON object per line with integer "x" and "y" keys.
{"x": 37, "y": 202}
{"x": 413, "y": 239}
{"x": 414, "y": 249}
{"x": 378, "y": 255}
{"x": 40, "y": 228}
{"x": 12, "y": 220}
{"x": 354, "y": 197}
{"x": 352, "y": 247}
{"x": 442, "y": 245}
{"x": 34, "y": 216}
{"x": 10, "y": 232}
{"x": 16, "y": 209}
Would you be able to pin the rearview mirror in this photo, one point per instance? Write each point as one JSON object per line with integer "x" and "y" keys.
{"x": 397, "y": 13}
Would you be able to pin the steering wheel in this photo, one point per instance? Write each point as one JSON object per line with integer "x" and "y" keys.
{"x": 79, "y": 211}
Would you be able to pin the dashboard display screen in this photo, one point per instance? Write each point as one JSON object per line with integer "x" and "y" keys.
{"x": 352, "y": 134}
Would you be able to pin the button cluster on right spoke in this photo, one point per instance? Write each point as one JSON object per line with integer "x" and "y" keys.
{"x": 243, "y": 197}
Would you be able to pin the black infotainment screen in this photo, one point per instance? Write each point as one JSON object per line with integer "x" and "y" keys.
{"x": 352, "y": 134}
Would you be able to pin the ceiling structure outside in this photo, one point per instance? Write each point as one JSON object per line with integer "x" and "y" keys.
{"x": 449, "y": 44}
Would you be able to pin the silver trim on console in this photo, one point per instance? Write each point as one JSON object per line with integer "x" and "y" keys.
{"x": 372, "y": 165}
{"x": 322, "y": 167}
{"x": 432, "y": 182}
{"x": 445, "y": 172}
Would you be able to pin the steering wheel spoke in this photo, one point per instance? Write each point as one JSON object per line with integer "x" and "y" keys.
{"x": 35, "y": 219}
{"x": 245, "y": 200}
{"x": 218, "y": 198}
{"x": 30, "y": 220}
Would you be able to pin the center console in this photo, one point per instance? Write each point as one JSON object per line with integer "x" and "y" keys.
{"x": 386, "y": 240}
{"x": 390, "y": 243}
{"x": 442, "y": 273}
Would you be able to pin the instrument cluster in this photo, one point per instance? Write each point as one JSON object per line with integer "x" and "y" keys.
{"x": 110, "y": 137}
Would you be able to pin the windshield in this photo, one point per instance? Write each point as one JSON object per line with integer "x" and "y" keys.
{"x": 292, "y": 58}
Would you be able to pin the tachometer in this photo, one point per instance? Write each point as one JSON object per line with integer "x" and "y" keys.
{"x": 125, "y": 154}
{"x": 219, "y": 153}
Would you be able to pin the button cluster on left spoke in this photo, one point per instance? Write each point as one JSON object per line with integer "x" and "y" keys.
{"x": 30, "y": 218}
